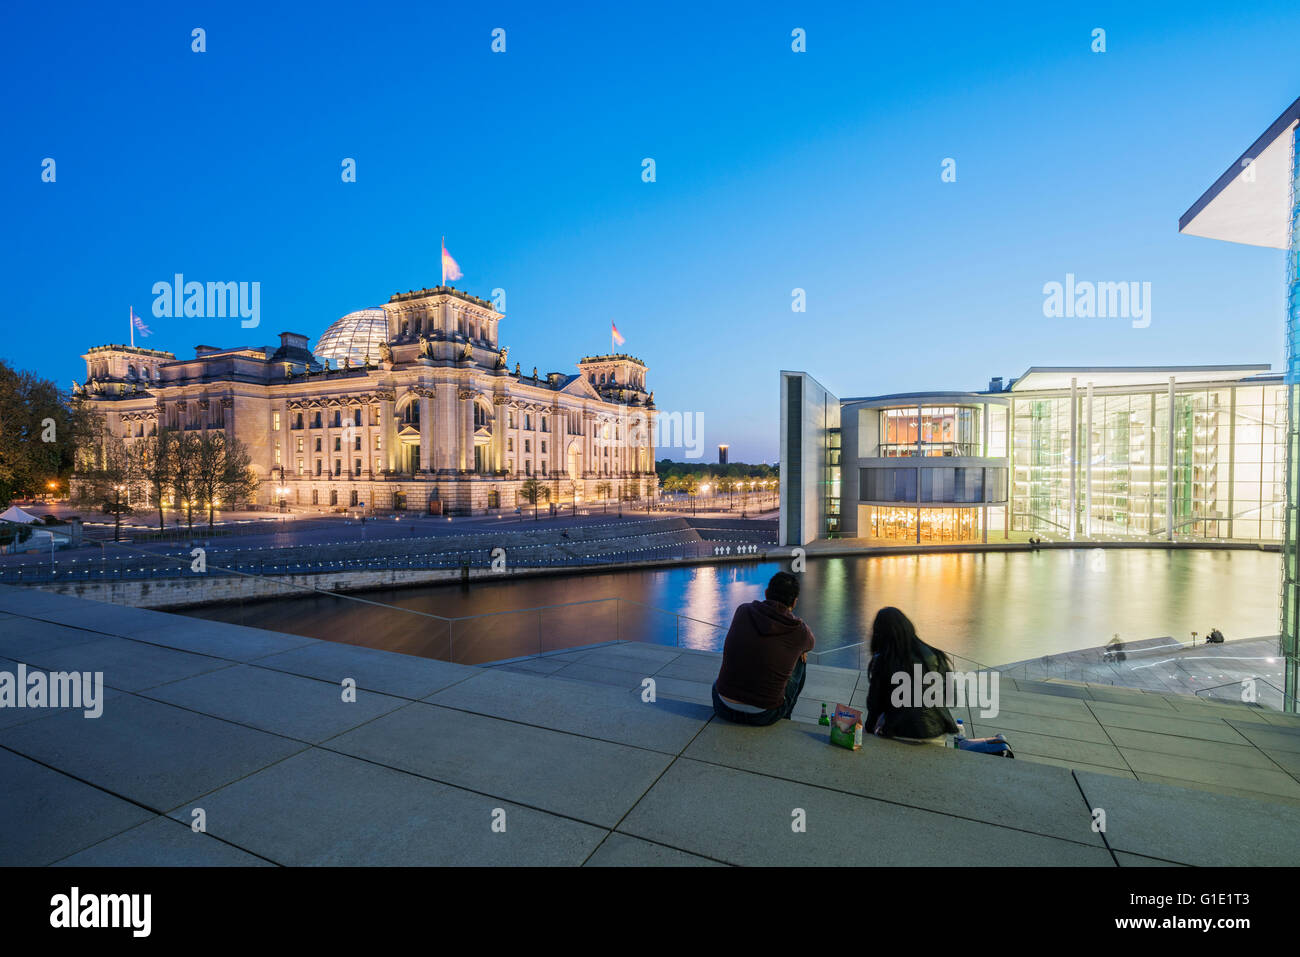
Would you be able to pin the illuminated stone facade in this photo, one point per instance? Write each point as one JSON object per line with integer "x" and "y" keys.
{"x": 437, "y": 421}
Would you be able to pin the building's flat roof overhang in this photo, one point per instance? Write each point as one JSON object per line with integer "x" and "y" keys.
{"x": 1058, "y": 377}
{"x": 1250, "y": 203}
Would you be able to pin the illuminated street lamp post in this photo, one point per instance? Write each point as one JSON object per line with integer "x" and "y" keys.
{"x": 117, "y": 512}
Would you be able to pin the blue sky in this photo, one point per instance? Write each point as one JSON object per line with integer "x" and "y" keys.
{"x": 775, "y": 170}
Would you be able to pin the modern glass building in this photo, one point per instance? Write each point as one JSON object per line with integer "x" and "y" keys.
{"x": 1256, "y": 201}
{"x": 1065, "y": 454}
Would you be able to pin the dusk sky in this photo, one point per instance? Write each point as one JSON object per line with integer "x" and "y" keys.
{"x": 775, "y": 170}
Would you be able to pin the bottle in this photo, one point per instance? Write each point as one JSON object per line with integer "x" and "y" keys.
{"x": 824, "y": 719}
{"x": 961, "y": 732}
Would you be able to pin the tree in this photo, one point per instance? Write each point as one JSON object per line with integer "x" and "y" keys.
{"x": 727, "y": 486}
{"x": 107, "y": 475}
{"x": 531, "y": 491}
{"x": 157, "y": 461}
{"x": 222, "y": 472}
{"x": 184, "y": 455}
{"x": 37, "y": 434}
{"x": 603, "y": 489}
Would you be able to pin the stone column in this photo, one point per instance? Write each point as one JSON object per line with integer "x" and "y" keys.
{"x": 498, "y": 432}
{"x": 426, "y": 394}
{"x": 466, "y": 442}
{"x": 388, "y": 430}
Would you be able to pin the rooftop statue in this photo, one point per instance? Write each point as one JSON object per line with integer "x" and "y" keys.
{"x": 385, "y": 352}
{"x": 501, "y": 357}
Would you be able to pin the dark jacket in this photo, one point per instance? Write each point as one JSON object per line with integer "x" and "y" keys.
{"x": 906, "y": 722}
{"x": 763, "y": 644}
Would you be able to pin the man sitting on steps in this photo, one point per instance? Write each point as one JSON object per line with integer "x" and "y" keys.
{"x": 764, "y": 658}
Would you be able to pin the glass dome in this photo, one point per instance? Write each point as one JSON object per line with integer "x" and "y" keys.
{"x": 355, "y": 336}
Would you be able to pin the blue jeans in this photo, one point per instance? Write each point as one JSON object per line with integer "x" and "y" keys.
{"x": 763, "y": 718}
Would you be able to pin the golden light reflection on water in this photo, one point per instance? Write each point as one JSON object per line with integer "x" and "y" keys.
{"x": 993, "y": 608}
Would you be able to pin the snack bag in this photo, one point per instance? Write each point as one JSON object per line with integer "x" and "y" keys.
{"x": 846, "y": 727}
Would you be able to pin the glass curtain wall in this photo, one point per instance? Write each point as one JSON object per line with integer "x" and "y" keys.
{"x": 1291, "y": 533}
{"x": 1228, "y": 472}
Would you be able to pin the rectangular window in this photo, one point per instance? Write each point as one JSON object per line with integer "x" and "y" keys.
{"x": 510, "y": 445}
{"x": 357, "y": 467}
{"x": 338, "y": 467}
{"x": 528, "y": 445}
{"x": 277, "y": 453}
{"x": 358, "y": 444}
{"x": 338, "y": 444}
{"x": 318, "y": 466}
{"x": 543, "y": 446}
{"x": 275, "y": 421}
{"x": 298, "y": 447}
{"x": 301, "y": 468}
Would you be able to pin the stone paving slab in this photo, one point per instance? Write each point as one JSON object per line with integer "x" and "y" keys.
{"x": 696, "y": 692}
{"x": 1271, "y": 739}
{"x": 1192, "y": 827}
{"x": 1072, "y": 765}
{"x": 387, "y": 672}
{"x": 607, "y": 713}
{"x": 623, "y": 850}
{"x": 1048, "y": 705}
{"x": 1012, "y": 721}
{"x": 1004, "y": 792}
{"x": 1244, "y": 754}
{"x": 596, "y": 674}
{"x": 22, "y": 639}
{"x": 162, "y": 842}
{"x": 127, "y": 665}
{"x": 1261, "y": 796}
{"x": 46, "y": 815}
{"x": 1188, "y": 727}
{"x": 147, "y": 752}
{"x": 323, "y": 808}
{"x": 1070, "y": 750}
{"x": 693, "y": 669}
{"x": 582, "y": 778}
{"x": 1204, "y": 769}
{"x": 306, "y": 709}
{"x": 221, "y": 640}
{"x": 1126, "y": 859}
{"x": 745, "y": 818}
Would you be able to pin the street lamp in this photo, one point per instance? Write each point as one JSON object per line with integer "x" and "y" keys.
{"x": 117, "y": 512}
{"x": 282, "y": 494}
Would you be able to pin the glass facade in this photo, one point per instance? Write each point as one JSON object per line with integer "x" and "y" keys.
{"x": 355, "y": 338}
{"x": 1099, "y": 464}
{"x": 1291, "y": 534}
{"x": 929, "y": 430}
{"x": 925, "y": 526}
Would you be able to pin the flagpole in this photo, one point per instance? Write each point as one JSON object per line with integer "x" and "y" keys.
{"x": 130, "y": 322}
{"x": 442, "y": 260}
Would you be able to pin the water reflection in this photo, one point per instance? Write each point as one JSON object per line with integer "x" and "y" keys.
{"x": 993, "y": 608}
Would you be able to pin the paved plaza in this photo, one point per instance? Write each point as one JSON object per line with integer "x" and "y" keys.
{"x": 559, "y": 760}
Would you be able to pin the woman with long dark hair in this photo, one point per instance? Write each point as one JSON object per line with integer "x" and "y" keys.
{"x": 896, "y": 652}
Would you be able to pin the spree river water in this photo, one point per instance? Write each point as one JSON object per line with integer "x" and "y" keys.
{"x": 992, "y": 608}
